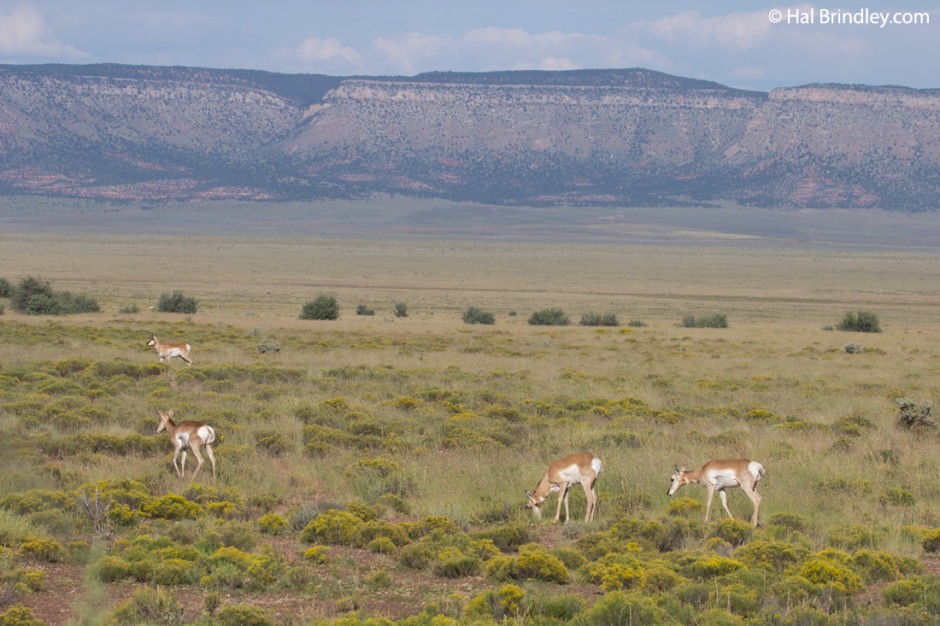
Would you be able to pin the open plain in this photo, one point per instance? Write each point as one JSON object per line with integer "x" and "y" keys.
{"x": 374, "y": 467}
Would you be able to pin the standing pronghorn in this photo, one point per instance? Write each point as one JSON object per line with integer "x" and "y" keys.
{"x": 582, "y": 468}
{"x": 719, "y": 475}
{"x": 188, "y": 436}
{"x": 170, "y": 350}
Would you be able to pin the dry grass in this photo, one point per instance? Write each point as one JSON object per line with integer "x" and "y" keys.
{"x": 827, "y": 435}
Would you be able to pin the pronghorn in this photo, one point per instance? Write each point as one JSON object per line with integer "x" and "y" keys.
{"x": 582, "y": 468}
{"x": 719, "y": 475}
{"x": 188, "y": 435}
{"x": 170, "y": 350}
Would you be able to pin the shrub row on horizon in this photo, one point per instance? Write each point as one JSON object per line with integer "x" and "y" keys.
{"x": 34, "y": 296}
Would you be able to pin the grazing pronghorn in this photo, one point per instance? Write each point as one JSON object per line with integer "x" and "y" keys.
{"x": 719, "y": 475}
{"x": 188, "y": 436}
{"x": 170, "y": 350}
{"x": 582, "y": 468}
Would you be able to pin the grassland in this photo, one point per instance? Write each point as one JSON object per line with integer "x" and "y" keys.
{"x": 375, "y": 466}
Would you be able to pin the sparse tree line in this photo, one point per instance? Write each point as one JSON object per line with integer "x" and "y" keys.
{"x": 34, "y": 296}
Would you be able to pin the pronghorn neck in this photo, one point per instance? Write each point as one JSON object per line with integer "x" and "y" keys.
{"x": 692, "y": 476}
{"x": 542, "y": 489}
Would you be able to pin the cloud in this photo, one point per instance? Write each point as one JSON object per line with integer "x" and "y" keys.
{"x": 735, "y": 31}
{"x": 315, "y": 51}
{"x": 24, "y": 32}
{"x": 482, "y": 49}
{"x": 741, "y": 49}
{"x": 493, "y": 48}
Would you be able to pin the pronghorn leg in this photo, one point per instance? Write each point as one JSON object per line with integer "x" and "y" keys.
{"x": 198, "y": 456}
{"x": 593, "y": 503}
{"x": 755, "y": 498}
{"x": 211, "y": 458}
{"x": 175, "y": 466}
{"x": 591, "y": 497}
{"x": 724, "y": 502}
{"x": 562, "y": 497}
{"x": 708, "y": 502}
{"x": 183, "y": 465}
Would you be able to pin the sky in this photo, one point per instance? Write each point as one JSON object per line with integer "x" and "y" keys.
{"x": 757, "y": 44}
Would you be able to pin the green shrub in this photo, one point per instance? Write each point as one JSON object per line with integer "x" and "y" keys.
{"x": 561, "y": 607}
{"x": 549, "y": 317}
{"x": 453, "y": 563}
{"x": 715, "y": 320}
{"x": 272, "y": 524}
{"x": 713, "y": 565}
{"x": 382, "y": 545}
{"x": 323, "y": 307}
{"x": 19, "y": 615}
{"x": 110, "y": 568}
{"x": 931, "y": 540}
{"x": 241, "y": 615}
{"x": 506, "y": 537}
{"x": 860, "y": 322}
{"x": 476, "y": 315}
{"x": 34, "y": 296}
{"x": 913, "y": 415}
{"x": 176, "y": 302}
{"x": 401, "y": 309}
{"x": 272, "y": 442}
{"x": 26, "y": 289}
{"x": 362, "y": 309}
{"x": 734, "y": 531}
{"x": 5, "y": 288}
{"x": 333, "y": 526}
{"x": 685, "y": 507}
{"x": 373, "y": 477}
{"x": 617, "y": 571}
{"x": 532, "y": 562}
{"x": 44, "y": 549}
{"x": 130, "y": 308}
{"x": 318, "y": 554}
{"x": 172, "y": 507}
{"x": 373, "y": 529}
{"x": 894, "y": 496}
{"x": 824, "y": 571}
{"x": 772, "y": 554}
{"x": 496, "y": 604}
{"x": 876, "y": 566}
{"x": 416, "y": 556}
{"x": 905, "y": 592}
{"x": 150, "y": 606}
{"x": 621, "y": 607}
{"x": 599, "y": 319}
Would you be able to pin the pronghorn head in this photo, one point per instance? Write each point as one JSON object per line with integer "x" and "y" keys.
{"x": 153, "y": 340}
{"x": 166, "y": 417}
{"x": 535, "y": 504}
{"x": 677, "y": 480}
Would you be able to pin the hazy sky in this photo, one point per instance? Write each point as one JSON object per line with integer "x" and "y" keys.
{"x": 733, "y": 42}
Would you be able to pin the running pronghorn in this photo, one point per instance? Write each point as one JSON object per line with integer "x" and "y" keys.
{"x": 170, "y": 350}
{"x": 188, "y": 436}
{"x": 719, "y": 475}
{"x": 582, "y": 468}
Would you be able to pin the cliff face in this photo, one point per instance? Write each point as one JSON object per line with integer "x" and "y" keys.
{"x": 620, "y": 137}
